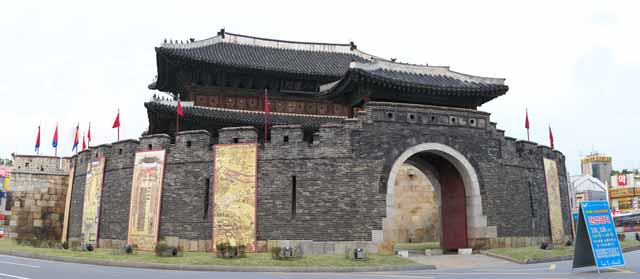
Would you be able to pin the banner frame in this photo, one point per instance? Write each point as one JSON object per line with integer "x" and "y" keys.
{"x": 164, "y": 162}
{"x": 213, "y": 194}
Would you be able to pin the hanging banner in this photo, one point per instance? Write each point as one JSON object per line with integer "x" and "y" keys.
{"x": 596, "y": 238}
{"x": 67, "y": 205}
{"x": 146, "y": 196}
{"x": 92, "y": 200}
{"x": 234, "y": 195}
{"x": 553, "y": 197}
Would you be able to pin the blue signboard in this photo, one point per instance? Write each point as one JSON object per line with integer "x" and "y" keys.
{"x": 597, "y": 233}
{"x": 575, "y": 216}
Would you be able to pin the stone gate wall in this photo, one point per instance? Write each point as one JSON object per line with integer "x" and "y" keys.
{"x": 340, "y": 178}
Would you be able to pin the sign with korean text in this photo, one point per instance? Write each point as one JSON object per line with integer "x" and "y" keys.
{"x": 146, "y": 196}
{"x": 622, "y": 179}
{"x": 621, "y": 192}
{"x": 596, "y": 239}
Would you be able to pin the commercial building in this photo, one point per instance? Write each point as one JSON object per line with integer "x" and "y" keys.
{"x": 624, "y": 192}
{"x": 598, "y": 166}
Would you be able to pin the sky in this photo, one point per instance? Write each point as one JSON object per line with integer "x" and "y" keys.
{"x": 572, "y": 64}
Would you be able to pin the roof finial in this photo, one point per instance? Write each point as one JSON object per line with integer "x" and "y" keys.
{"x": 192, "y": 39}
{"x": 393, "y": 60}
{"x": 165, "y": 40}
{"x": 221, "y": 33}
{"x": 171, "y": 41}
{"x": 353, "y": 45}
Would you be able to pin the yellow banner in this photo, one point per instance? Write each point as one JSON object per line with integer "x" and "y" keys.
{"x": 553, "y": 198}
{"x": 6, "y": 184}
{"x": 146, "y": 195}
{"x": 92, "y": 198}
{"x": 621, "y": 192}
{"x": 234, "y": 195}
{"x": 67, "y": 205}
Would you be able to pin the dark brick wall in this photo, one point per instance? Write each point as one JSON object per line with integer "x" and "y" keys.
{"x": 341, "y": 176}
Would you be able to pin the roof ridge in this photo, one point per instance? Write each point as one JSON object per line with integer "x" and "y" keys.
{"x": 422, "y": 70}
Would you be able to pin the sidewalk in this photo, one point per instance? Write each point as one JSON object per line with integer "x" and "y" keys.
{"x": 443, "y": 262}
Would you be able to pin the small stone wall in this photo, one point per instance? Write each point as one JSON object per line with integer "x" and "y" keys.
{"x": 38, "y": 187}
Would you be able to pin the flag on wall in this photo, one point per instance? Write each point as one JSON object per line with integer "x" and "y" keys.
{"x": 75, "y": 139}
{"x": 84, "y": 145}
{"x": 179, "y": 112}
{"x": 551, "y": 138}
{"x": 88, "y": 135}
{"x": 38, "y": 140}
{"x": 54, "y": 143}
{"x": 526, "y": 122}
{"x": 116, "y": 123}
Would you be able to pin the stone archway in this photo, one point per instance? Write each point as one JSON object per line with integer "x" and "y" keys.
{"x": 457, "y": 171}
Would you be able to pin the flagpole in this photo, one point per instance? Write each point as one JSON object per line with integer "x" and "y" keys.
{"x": 177, "y": 118}
{"x": 266, "y": 111}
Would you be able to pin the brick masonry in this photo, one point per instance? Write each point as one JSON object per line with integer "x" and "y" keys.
{"x": 341, "y": 177}
{"x": 38, "y": 188}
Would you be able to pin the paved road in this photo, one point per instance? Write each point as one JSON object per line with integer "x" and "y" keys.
{"x": 476, "y": 268}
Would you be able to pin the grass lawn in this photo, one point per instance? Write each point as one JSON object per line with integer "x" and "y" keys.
{"x": 199, "y": 258}
{"x": 420, "y": 246}
{"x": 537, "y": 253}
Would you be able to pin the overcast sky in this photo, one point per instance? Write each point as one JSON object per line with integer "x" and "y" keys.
{"x": 574, "y": 65}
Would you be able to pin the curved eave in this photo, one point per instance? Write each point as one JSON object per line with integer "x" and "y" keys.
{"x": 361, "y": 76}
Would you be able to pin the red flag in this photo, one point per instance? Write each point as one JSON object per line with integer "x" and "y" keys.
{"x": 526, "y": 119}
{"x": 551, "y": 137}
{"x": 84, "y": 145}
{"x": 89, "y": 133}
{"x": 116, "y": 123}
{"x": 180, "y": 113}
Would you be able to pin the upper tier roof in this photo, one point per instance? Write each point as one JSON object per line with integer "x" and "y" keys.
{"x": 416, "y": 77}
{"x": 246, "y": 52}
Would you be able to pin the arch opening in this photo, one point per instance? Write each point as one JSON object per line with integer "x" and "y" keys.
{"x": 456, "y": 200}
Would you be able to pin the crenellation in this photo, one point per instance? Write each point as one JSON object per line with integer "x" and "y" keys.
{"x": 237, "y": 135}
{"x": 154, "y": 142}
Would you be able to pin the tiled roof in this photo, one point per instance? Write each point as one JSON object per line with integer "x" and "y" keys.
{"x": 236, "y": 118}
{"x": 416, "y": 77}
{"x": 245, "y": 52}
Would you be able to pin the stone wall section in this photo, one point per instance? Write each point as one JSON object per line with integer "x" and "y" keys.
{"x": 340, "y": 178}
{"x": 39, "y": 187}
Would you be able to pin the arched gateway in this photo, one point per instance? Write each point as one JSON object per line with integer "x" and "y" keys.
{"x": 460, "y": 199}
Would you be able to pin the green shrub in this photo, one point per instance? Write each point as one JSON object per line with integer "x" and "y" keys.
{"x": 276, "y": 253}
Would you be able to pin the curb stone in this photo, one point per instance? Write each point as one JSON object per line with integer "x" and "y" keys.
{"x": 217, "y": 267}
{"x": 545, "y": 260}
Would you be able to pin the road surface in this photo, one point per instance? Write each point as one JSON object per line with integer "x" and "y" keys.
{"x": 476, "y": 267}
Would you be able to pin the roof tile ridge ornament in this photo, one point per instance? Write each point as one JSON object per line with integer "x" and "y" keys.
{"x": 384, "y": 64}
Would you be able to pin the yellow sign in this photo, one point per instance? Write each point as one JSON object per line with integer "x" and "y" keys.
{"x": 234, "y": 195}
{"x": 67, "y": 205}
{"x": 6, "y": 184}
{"x": 621, "y": 192}
{"x": 596, "y": 158}
{"x": 92, "y": 198}
{"x": 553, "y": 197}
{"x": 146, "y": 195}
